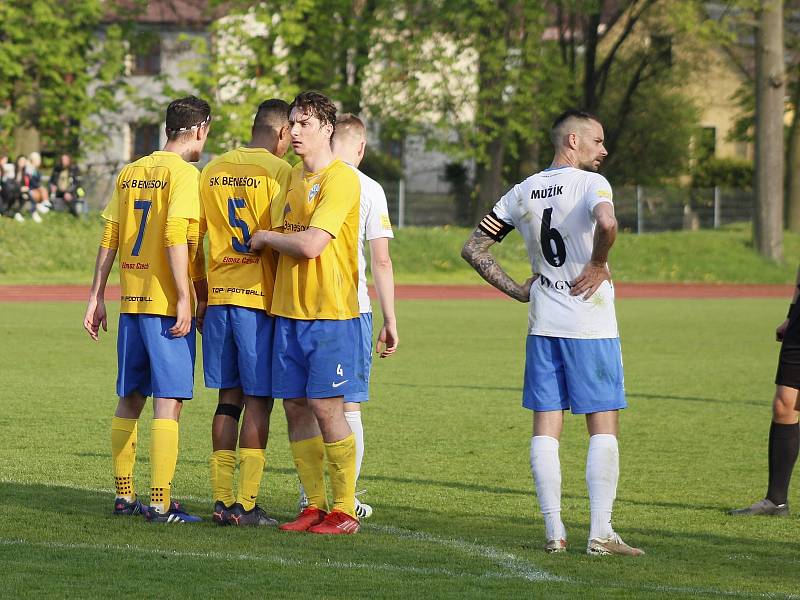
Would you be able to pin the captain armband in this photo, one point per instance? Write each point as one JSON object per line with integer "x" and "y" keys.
{"x": 176, "y": 231}
{"x": 494, "y": 227}
{"x": 110, "y": 237}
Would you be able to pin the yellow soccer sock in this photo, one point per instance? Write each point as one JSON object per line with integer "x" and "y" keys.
{"x": 223, "y": 465}
{"x": 163, "y": 456}
{"x": 342, "y": 472}
{"x": 251, "y": 468}
{"x": 123, "y": 454}
{"x": 308, "y": 459}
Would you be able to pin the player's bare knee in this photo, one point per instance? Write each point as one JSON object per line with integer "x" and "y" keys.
{"x": 131, "y": 406}
{"x": 232, "y": 396}
{"x": 167, "y": 408}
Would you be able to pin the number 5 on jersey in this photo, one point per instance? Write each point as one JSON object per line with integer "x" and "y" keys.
{"x": 235, "y": 221}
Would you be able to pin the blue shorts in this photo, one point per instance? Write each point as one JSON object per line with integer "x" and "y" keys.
{"x": 314, "y": 359}
{"x": 151, "y": 361}
{"x": 584, "y": 376}
{"x": 360, "y": 391}
{"x": 237, "y": 349}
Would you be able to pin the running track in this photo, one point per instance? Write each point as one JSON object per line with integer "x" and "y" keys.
{"x": 80, "y": 293}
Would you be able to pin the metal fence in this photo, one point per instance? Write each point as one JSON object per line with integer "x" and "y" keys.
{"x": 639, "y": 209}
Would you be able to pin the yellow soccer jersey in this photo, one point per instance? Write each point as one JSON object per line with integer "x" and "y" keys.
{"x": 241, "y": 191}
{"x": 148, "y": 191}
{"x": 327, "y": 286}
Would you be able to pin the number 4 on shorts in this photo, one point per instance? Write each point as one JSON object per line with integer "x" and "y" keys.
{"x": 339, "y": 370}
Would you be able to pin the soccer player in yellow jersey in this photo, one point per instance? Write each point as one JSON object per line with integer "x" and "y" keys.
{"x": 315, "y": 304}
{"x": 242, "y": 191}
{"x": 151, "y": 222}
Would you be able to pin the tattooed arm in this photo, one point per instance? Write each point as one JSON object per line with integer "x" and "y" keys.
{"x": 476, "y": 253}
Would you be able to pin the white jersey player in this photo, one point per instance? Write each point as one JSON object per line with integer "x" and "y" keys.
{"x": 349, "y": 142}
{"x": 565, "y": 214}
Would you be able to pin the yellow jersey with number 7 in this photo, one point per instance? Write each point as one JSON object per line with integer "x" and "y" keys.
{"x": 148, "y": 191}
{"x": 241, "y": 191}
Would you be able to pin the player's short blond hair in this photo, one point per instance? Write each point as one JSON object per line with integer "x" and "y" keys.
{"x": 349, "y": 125}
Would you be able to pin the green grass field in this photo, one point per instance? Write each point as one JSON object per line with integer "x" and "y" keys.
{"x": 446, "y": 469}
{"x": 62, "y": 250}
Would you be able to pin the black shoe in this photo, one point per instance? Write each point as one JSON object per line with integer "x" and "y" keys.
{"x": 762, "y": 507}
{"x": 222, "y": 514}
{"x": 256, "y": 517}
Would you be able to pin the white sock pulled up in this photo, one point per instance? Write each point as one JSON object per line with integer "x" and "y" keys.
{"x": 602, "y": 475}
{"x": 354, "y": 420}
{"x": 546, "y": 469}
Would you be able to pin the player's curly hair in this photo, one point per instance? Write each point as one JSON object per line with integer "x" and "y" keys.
{"x": 186, "y": 114}
{"x": 317, "y": 105}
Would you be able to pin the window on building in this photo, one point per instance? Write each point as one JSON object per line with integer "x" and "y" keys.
{"x": 705, "y": 146}
{"x": 661, "y": 46}
{"x": 146, "y": 54}
{"x": 144, "y": 139}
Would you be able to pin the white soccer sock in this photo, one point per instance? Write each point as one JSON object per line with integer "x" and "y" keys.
{"x": 602, "y": 474}
{"x": 546, "y": 469}
{"x": 354, "y": 420}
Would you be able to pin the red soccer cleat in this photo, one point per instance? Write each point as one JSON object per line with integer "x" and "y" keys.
{"x": 336, "y": 523}
{"x": 310, "y": 516}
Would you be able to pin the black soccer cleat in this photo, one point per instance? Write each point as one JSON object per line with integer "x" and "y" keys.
{"x": 256, "y": 517}
{"x": 222, "y": 514}
{"x": 123, "y": 508}
{"x": 763, "y": 507}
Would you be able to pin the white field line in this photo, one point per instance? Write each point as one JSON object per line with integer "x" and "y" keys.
{"x": 512, "y": 566}
{"x": 267, "y": 558}
{"x": 507, "y": 561}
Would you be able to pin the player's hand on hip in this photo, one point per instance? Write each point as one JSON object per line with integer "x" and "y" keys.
{"x": 525, "y": 289}
{"x": 258, "y": 241}
{"x": 590, "y": 279}
{"x": 95, "y": 318}
{"x": 781, "y": 331}
{"x": 183, "y": 319}
{"x": 200, "y": 315}
{"x": 387, "y": 340}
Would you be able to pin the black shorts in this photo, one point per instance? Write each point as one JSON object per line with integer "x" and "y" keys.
{"x": 789, "y": 360}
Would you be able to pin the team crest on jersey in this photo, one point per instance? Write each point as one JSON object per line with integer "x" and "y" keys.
{"x": 313, "y": 192}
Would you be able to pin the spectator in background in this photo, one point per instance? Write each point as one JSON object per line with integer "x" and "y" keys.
{"x": 65, "y": 186}
{"x": 11, "y": 192}
{"x": 24, "y": 186}
{"x": 39, "y": 193}
{"x": 7, "y": 187}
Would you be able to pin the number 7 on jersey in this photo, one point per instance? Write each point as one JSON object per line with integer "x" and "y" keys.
{"x": 144, "y": 206}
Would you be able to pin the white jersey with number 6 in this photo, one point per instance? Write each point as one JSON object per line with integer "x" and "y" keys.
{"x": 553, "y": 212}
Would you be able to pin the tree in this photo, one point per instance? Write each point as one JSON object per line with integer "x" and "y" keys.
{"x": 276, "y": 48}
{"x": 53, "y": 74}
{"x": 627, "y": 46}
{"x": 473, "y": 78}
{"x": 770, "y": 89}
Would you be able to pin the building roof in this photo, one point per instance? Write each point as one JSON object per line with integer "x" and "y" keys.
{"x": 195, "y": 13}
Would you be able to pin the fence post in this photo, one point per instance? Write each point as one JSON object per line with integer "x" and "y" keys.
{"x": 639, "y": 211}
{"x": 717, "y": 207}
{"x": 401, "y": 203}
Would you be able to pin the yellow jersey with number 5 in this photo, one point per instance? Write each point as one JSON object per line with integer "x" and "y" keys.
{"x": 148, "y": 191}
{"x": 241, "y": 191}
{"x": 325, "y": 287}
